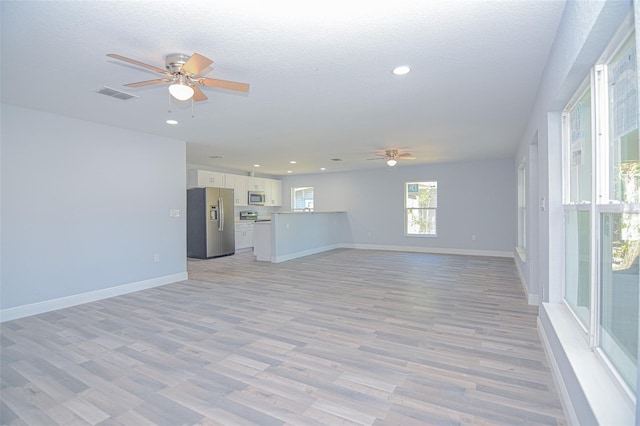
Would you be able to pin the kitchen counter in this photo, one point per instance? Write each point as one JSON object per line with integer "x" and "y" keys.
{"x": 290, "y": 235}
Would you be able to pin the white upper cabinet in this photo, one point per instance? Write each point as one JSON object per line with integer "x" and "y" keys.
{"x": 230, "y": 181}
{"x": 273, "y": 192}
{"x": 256, "y": 183}
{"x": 240, "y": 191}
{"x": 240, "y": 184}
{"x": 202, "y": 178}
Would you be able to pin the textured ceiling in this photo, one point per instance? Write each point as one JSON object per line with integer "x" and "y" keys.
{"x": 320, "y": 75}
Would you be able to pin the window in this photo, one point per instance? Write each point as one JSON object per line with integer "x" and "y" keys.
{"x": 420, "y": 202}
{"x": 601, "y": 202}
{"x": 577, "y": 206}
{"x": 619, "y": 214}
{"x": 302, "y": 199}
{"x": 522, "y": 209}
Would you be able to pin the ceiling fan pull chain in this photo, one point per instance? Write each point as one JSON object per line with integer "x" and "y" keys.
{"x": 170, "y": 110}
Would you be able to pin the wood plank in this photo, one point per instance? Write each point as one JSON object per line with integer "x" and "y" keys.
{"x": 361, "y": 337}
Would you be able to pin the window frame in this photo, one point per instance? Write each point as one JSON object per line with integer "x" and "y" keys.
{"x": 294, "y": 207}
{"x": 434, "y": 209}
{"x": 570, "y": 206}
{"x": 521, "y": 247}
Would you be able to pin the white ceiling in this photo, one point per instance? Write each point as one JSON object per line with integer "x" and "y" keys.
{"x": 320, "y": 74}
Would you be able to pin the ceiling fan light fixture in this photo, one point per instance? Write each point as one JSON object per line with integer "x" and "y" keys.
{"x": 401, "y": 70}
{"x": 180, "y": 90}
{"x": 391, "y": 162}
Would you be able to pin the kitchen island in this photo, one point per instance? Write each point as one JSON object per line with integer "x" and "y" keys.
{"x": 290, "y": 235}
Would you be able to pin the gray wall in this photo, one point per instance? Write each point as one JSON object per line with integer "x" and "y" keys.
{"x": 474, "y": 198}
{"x": 85, "y": 207}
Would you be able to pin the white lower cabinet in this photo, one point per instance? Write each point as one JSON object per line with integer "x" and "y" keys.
{"x": 244, "y": 235}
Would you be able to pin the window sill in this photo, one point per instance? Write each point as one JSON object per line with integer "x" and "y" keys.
{"x": 588, "y": 391}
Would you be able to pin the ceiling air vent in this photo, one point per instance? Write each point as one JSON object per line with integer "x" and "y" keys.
{"x": 115, "y": 93}
{"x": 336, "y": 159}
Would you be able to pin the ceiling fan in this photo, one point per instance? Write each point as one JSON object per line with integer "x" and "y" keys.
{"x": 392, "y": 156}
{"x": 182, "y": 72}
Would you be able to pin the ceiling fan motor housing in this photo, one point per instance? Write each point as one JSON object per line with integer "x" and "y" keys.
{"x": 175, "y": 61}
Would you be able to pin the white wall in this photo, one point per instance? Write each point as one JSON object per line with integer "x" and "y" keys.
{"x": 585, "y": 30}
{"x": 474, "y": 198}
{"x": 85, "y": 208}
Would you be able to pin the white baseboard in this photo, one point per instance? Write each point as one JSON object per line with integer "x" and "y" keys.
{"x": 91, "y": 296}
{"x": 463, "y": 252}
{"x": 532, "y": 299}
{"x": 295, "y": 255}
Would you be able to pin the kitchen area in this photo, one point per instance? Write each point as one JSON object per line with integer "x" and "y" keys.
{"x": 252, "y": 200}
{"x": 229, "y": 213}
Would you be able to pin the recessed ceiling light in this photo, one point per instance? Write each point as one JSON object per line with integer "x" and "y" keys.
{"x": 289, "y": 171}
{"x": 256, "y": 165}
{"x": 401, "y": 70}
{"x": 323, "y": 168}
{"x": 173, "y": 122}
{"x": 292, "y": 162}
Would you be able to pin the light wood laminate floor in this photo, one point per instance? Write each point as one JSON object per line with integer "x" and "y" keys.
{"x": 346, "y": 337}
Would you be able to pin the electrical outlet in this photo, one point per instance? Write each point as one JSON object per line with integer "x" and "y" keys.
{"x": 156, "y": 257}
{"x": 174, "y": 213}
{"x": 473, "y": 238}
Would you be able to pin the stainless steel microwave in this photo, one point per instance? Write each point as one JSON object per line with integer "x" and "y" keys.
{"x": 256, "y": 198}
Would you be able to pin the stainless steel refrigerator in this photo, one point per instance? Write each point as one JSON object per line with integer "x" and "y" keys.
{"x": 210, "y": 227}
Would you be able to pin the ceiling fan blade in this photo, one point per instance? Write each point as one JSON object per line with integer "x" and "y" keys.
{"x": 198, "y": 95}
{"x": 138, "y": 63}
{"x": 148, "y": 82}
{"x": 224, "y": 84}
{"x": 405, "y": 158}
{"x": 378, "y": 158}
{"x": 196, "y": 64}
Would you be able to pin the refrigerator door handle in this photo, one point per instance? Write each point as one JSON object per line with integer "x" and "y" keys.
{"x": 221, "y": 214}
